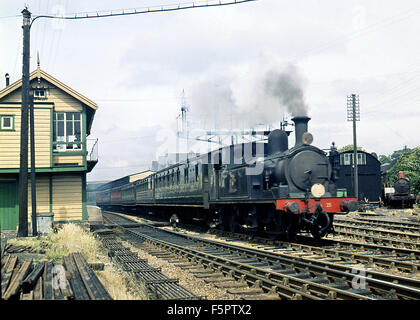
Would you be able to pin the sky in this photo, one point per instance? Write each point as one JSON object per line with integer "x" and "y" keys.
{"x": 242, "y": 66}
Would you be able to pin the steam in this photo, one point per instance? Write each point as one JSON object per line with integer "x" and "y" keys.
{"x": 257, "y": 93}
{"x": 286, "y": 87}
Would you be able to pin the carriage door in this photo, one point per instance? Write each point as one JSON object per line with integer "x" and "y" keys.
{"x": 217, "y": 166}
{"x": 205, "y": 173}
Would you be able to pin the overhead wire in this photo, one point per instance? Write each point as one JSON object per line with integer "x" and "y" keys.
{"x": 125, "y": 12}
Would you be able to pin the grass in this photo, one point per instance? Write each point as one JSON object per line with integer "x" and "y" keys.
{"x": 68, "y": 239}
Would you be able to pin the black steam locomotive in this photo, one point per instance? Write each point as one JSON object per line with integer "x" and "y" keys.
{"x": 258, "y": 187}
{"x": 399, "y": 196}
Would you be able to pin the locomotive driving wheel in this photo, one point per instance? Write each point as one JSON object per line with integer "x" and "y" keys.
{"x": 320, "y": 228}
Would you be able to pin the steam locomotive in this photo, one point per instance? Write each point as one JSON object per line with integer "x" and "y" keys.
{"x": 399, "y": 196}
{"x": 262, "y": 188}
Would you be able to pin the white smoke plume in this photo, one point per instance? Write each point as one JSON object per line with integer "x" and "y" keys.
{"x": 252, "y": 94}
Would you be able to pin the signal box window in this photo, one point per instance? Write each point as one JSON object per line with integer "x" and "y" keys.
{"x": 67, "y": 128}
{"x": 6, "y": 123}
{"x": 40, "y": 94}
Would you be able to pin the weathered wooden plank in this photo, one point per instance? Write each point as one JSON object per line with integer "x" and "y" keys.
{"x": 68, "y": 292}
{"x": 38, "y": 290}
{"x": 94, "y": 287}
{"x": 76, "y": 283}
{"x": 30, "y": 281}
{"x": 15, "y": 270}
{"x": 16, "y": 283}
{"x": 7, "y": 273}
{"x": 4, "y": 262}
{"x": 48, "y": 293}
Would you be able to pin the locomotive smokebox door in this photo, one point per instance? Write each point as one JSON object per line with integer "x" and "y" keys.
{"x": 308, "y": 168}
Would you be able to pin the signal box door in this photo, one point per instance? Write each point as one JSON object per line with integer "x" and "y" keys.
{"x": 9, "y": 209}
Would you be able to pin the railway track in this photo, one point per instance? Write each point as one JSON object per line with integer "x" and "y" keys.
{"x": 391, "y": 255}
{"x": 346, "y": 252}
{"x": 377, "y": 236}
{"x": 387, "y": 225}
{"x": 290, "y": 277}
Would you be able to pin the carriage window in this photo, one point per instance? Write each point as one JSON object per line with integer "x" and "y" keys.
{"x": 196, "y": 172}
{"x": 361, "y": 159}
{"x": 225, "y": 156}
{"x": 238, "y": 154}
{"x": 346, "y": 159}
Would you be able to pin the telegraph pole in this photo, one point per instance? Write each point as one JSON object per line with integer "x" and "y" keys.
{"x": 23, "y": 171}
{"x": 33, "y": 177}
{"x": 353, "y": 114}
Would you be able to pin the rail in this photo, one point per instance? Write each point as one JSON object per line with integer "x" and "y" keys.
{"x": 290, "y": 277}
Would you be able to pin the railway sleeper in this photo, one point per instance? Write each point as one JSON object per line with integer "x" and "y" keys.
{"x": 231, "y": 284}
{"x": 214, "y": 279}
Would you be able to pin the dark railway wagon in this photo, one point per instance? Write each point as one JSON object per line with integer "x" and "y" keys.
{"x": 369, "y": 172}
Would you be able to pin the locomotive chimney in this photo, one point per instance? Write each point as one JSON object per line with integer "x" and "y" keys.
{"x": 301, "y": 126}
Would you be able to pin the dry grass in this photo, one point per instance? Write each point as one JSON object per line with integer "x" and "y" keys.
{"x": 72, "y": 238}
{"x": 119, "y": 286}
{"x": 69, "y": 238}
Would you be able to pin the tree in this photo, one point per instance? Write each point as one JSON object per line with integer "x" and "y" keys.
{"x": 409, "y": 162}
{"x": 349, "y": 147}
{"x": 394, "y": 156}
{"x": 397, "y": 154}
{"x": 384, "y": 159}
